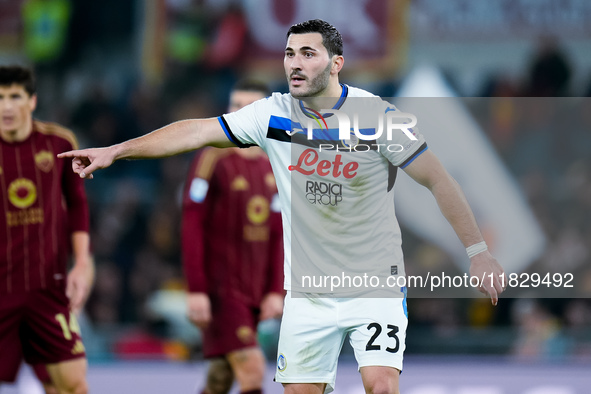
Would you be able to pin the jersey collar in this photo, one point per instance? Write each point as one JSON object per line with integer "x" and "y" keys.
{"x": 338, "y": 105}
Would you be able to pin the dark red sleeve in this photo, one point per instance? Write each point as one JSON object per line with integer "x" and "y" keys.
{"x": 275, "y": 273}
{"x": 192, "y": 235}
{"x": 75, "y": 196}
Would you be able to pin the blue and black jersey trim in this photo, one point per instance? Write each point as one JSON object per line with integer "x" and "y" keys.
{"x": 393, "y": 170}
{"x": 278, "y": 128}
{"x": 280, "y": 134}
{"x": 231, "y": 135}
{"x": 338, "y": 105}
{"x": 392, "y": 173}
{"x": 421, "y": 149}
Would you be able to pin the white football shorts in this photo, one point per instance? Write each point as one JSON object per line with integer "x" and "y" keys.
{"x": 313, "y": 330}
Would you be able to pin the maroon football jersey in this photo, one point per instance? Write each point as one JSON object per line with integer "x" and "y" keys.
{"x": 232, "y": 236}
{"x": 43, "y": 202}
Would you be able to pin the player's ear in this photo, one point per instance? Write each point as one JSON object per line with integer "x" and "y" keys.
{"x": 337, "y": 64}
{"x": 33, "y": 102}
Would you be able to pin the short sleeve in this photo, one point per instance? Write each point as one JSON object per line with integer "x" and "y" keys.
{"x": 404, "y": 143}
{"x": 248, "y": 126}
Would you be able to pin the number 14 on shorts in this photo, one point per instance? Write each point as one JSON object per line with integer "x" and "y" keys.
{"x": 68, "y": 328}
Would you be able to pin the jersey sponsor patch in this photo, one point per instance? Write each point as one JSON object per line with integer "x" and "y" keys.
{"x": 198, "y": 190}
{"x": 257, "y": 209}
{"x": 22, "y": 193}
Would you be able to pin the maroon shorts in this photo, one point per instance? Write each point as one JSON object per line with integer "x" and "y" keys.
{"x": 233, "y": 327}
{"x": 38, "y": 327}
{"x": 41, "y": 372}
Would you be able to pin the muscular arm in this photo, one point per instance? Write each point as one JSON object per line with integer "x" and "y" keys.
{"x": 178, "y": 137}
{"x": 428, "y": 171}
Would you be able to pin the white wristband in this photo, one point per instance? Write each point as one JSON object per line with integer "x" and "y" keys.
{"x": 476, "y": 249}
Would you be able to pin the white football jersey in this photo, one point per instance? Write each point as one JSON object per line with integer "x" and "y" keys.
{"x": 341, "y": 235}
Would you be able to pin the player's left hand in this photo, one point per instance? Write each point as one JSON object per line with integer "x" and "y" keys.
{"x": 482, "y": 266}
{"x": 271, "y": 306}
{"x": 80, "y": 280}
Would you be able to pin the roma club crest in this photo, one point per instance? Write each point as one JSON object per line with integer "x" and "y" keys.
{"x": 44, "y": 160}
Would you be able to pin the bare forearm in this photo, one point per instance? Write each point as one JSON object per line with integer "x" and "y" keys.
{"x": 81, "y": 276}
{"x": 454, "y": 206}
{"x": 81, "y": 247}
{"x": 428, "y": 171}
{"x": 175, "y": 138}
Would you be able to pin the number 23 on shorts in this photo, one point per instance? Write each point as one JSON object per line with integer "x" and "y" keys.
{"x": 378, "y": 330}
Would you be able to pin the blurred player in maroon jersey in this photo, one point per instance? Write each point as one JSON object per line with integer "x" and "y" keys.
{"x": 233, "y": 254}
{"x": 43, "y": 217}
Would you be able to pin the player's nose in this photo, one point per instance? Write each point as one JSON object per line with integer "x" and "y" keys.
{"x": 295, "y": 63}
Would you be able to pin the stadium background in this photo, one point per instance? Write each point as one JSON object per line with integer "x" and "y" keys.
{"x": 113, "y": 70}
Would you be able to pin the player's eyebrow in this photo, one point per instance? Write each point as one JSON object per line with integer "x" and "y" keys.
{"x": 308, "y": 49}
{"x": 302, "y": 49}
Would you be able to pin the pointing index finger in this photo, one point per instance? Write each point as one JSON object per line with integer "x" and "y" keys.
{"x": 71, "y": 153}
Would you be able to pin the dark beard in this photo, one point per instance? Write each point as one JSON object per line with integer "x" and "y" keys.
{"x": 317, "y": 85}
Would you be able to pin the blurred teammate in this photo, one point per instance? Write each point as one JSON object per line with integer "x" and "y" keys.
{"x": 44, "y": 218}
{"x": 343, "y": 203}
{"x": 232, "y": 254}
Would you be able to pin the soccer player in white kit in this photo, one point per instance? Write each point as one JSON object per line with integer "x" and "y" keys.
{"x": 342, "y": 201}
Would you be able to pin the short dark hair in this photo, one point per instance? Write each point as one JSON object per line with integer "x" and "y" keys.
{"x": 252, "y": 85}
{"x": 10, "y": 75}
{"x": 331, "y": 38}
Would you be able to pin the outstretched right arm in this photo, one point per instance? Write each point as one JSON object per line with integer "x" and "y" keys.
{"x": 178, "y": 137}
